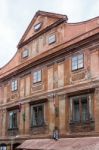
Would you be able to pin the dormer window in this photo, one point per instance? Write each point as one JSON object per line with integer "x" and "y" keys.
{"x": 37, "y": 26}
{"x": 25, "y": 53}
{"x": 52, "y": 39}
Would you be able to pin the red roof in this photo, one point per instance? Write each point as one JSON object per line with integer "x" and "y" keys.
{"x": 84, "y": 143}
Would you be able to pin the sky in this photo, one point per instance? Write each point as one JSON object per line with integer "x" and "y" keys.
{"x": 15, "y": 16}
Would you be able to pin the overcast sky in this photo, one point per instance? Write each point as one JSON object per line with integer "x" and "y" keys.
{"x": 15, "y": 15}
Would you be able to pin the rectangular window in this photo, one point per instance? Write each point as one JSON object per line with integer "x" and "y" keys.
{"x": 14, "y": 85}
{"x": 37, "y": 115}
{"x": 25, "y": 53}
{"x": 80, "y": 110}
{"x": 52, "y": 39}
{"x": 77, "y": 62}
{"x": 37, "y": 76}
{"x": 13, "y": 119}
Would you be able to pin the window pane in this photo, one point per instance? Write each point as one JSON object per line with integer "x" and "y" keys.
{"x": 76, "y": 110}
{"x": 74, "y": 63}
{"x": 35, "y": 77}
{"x": 84, "y": 108}
{"x": 12, "y": 86}
{"x": 14, "y": 120}
{"x": 80, "y": 65}
{"x": 74, "y": 58}
{"x": 74, "y": 67}
{"x": 80, "y": 56}
{"x": 10, "y": 120}
{"x": 80, "y": 61}
{"x": 40, "y": 115}
{"x": 51, "y": 39}
{"x": 34, "y": 115}
{"x": 39, "y": 75}
{"x": 37, "y": 26}
{"x": 15, "y": 85}
{"x": 25, "y": 53}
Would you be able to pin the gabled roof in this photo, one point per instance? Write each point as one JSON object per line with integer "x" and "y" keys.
{"x": 54, "y": 16}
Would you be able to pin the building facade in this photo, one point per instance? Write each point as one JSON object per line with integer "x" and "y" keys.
{"x": 51, "y": 85}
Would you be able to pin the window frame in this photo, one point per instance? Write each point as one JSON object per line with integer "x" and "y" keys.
{"x": 38, "y": 25}
{"x": 52, "y": 41}
{"x": 13, "y": 124}
{"x": 37, "y": 106}
{"x": 89, "y": 117}
{"x": 25, "y": 55}
{"x": 14, "y": 85}
{"x": 36, "y": 76}
{"x": 77, "y": 64}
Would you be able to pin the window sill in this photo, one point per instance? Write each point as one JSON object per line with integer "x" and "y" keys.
{"x": 14, "y": 91}
{"x": 82, "y": 126}
{"x": 77, "y": 70}
{"x": 81, "y": 123}
{"x": 52, "y": 42}
{"x": 37, "y": 83}
{"x": 11, "y": 129}
{"x": 38, "y": 126}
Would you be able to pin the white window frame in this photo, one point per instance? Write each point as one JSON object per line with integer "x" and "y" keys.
{"x": 37, "y": 76}
{"x": 25, "y": 53}
{"x": 77, "y": 62}
{"x": 14, "y": 85}
{"x": 51, "y": 39}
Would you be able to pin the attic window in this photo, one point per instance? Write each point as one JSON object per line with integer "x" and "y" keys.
{"x": 52, "y": 39}
{"x": 37, "y": 26}
{"x": 25, "y": 53}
